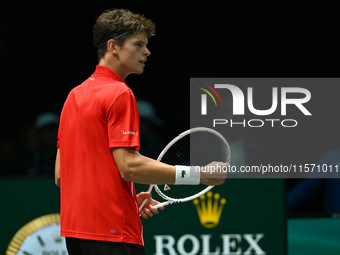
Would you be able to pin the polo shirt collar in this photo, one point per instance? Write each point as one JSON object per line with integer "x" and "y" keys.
{"x": 105, "y": 71}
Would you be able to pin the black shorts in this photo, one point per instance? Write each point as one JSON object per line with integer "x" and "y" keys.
{"x": 77, "y": 246}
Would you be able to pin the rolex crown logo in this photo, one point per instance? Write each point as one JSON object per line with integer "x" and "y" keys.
{"x": 209, "y": 208}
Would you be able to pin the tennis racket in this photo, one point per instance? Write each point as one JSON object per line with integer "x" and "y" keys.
{"x": 195, "y": 147}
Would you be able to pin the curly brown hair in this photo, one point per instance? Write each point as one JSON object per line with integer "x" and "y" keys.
{"x": 118, "y": 21}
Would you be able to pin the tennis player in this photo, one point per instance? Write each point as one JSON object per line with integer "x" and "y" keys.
{"x": 98, "y": 157}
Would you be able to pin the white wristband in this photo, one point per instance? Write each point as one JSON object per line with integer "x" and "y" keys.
{"x": 187, "y": 175}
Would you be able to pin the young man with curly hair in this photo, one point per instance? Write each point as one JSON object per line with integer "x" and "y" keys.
{"x": 98, "y": 159}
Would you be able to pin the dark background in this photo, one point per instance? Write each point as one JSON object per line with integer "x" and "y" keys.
{"x": 46, "y": 49}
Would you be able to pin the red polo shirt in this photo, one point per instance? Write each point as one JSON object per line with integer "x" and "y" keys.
{"x": 96, "y": 203}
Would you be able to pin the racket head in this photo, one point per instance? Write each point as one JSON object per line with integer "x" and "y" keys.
{"x": 194, "y": 147}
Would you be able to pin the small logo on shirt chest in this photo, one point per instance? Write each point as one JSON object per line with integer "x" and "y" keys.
{"x": 129, "y": 133}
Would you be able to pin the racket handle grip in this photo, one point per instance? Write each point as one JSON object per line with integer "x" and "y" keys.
{"x": 167, "y": 203}
{"x": 142, "y": 204}
{"x": 145, "y": 199}
{"x": 156, "y": 206}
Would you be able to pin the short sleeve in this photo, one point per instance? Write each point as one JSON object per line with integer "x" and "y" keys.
{"x": 123, "y": 121}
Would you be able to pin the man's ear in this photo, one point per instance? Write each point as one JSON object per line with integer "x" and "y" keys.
{"x": 112, "y": 46}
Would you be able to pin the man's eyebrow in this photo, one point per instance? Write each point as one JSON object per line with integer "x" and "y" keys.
{"x": 141, "y": 41}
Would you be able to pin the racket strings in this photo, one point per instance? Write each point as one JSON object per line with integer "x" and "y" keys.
{"x": 194, "y": 149}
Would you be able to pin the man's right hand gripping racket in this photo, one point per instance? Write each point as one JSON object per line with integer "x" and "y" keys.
{"x": 200, "y": 148}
